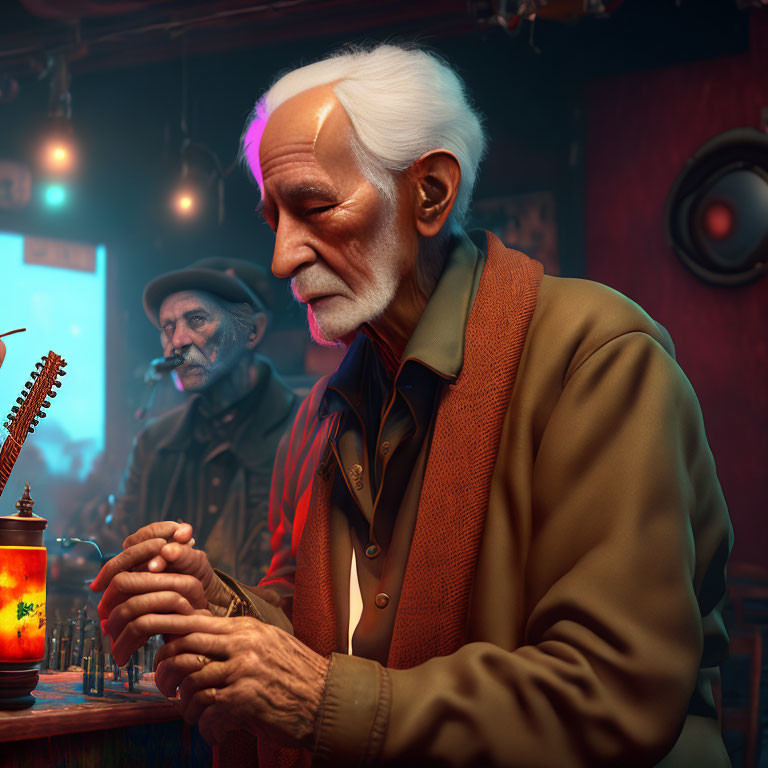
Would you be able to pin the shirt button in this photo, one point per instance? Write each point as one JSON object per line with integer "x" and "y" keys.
{"x": 381, "y": 600}
{"x": 372, "y": 550}
{"x": 356, "y": 475}
{"x": 216, "y": 481}
{"x": 385, "y": 448}
{"x": 213, "y": 509}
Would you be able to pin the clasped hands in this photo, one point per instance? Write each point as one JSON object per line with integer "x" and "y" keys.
{"x": 231, "y": 673}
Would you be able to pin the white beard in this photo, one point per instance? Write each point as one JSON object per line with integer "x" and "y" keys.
{"x": 344, "y": 314}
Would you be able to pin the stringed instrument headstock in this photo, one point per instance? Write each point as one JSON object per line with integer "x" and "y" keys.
{"x": 30, "y": 406}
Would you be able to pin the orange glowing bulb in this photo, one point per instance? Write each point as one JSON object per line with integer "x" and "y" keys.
{"x": 59, "y": 157}
{"x": 186, "y": 204}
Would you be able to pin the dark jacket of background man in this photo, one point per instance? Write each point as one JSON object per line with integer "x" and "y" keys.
{"x": 207, "y": 467}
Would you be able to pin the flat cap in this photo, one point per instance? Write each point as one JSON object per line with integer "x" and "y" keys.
{"x": 234, "y": 280}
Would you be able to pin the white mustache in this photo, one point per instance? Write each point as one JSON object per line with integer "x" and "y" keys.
{"x": 316, "y": 280}
{"x": 193, "y": 356}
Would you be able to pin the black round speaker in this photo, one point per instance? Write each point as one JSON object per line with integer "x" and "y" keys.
{"x": 717, "y": 210}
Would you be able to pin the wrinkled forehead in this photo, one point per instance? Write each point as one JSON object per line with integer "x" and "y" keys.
{"x": 175, "y": 305}
{"x": 310, "y": 130}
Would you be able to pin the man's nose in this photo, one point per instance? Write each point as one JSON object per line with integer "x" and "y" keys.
{"x": 181, "y": 338}
{"x": 291, "y": 249}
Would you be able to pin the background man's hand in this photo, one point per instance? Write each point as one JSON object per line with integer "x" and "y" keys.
{"x": 241, "y": 674}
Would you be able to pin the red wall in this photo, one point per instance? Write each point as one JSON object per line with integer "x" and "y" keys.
{"x": 641, "y": 128}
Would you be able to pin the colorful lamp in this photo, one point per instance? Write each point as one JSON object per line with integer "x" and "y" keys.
{"x": 22, "y": 554}
{"x": 22, "y": 603}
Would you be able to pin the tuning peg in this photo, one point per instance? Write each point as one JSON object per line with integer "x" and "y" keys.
{"x": 28, "y": 385}
{"x": 46, "y": 403}
{"x": 31, "y": 431}
{"x": 44, "y": 358}
{"x": 63, "y": 363}
{"x": 34, "y": 422}
{"x": 20, "y": 400}
{"x": 15, "y": 408}
{"x": 62, "y": 373}
{"x": 42, "y": 414}
{"x": 56, "y": 383}
{"x": 51, "y": 394}
{"x": 38, "y": 366}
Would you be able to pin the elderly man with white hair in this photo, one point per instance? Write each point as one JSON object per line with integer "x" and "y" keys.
{"x": 498, "y": 535}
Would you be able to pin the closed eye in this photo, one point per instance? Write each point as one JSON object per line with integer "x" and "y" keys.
{"x": 320, "y": 209}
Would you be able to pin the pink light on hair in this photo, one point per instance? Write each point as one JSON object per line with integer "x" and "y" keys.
{"x": 252, "y": 141}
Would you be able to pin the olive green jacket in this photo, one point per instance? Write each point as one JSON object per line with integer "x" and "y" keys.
{"x": 595, "y": 612}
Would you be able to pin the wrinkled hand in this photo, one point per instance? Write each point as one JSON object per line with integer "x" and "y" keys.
{"x": 137, "y": 606}
{"x": 240, "y": 674}
{"x": 178, "y": 580}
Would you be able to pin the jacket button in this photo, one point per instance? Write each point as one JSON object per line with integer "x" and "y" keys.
{"x": 372, "y": 550}
{"x": 385, "y": 446}
{"x": 381, "y": 600}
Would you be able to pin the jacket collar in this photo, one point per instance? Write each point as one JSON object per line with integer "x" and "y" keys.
{"x": 272, "y": 403}
{"x": 437, "y": 342}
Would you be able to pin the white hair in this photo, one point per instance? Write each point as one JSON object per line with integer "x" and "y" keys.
{"x": 402, "y": 103}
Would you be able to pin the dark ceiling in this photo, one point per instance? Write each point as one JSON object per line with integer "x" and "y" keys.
{"x": 95, "y": 34}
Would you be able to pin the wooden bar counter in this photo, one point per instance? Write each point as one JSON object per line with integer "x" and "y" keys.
{"x": 66, "y": 729}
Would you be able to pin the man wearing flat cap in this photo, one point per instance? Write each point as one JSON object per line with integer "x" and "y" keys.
{"x": 210, "y": 460}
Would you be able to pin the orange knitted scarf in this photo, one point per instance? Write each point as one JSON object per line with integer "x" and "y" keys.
{"x": 434, "y": 603}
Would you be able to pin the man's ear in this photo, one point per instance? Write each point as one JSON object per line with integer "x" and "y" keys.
{"x": 259, "y": 329}
{"x": 435, "y": 178}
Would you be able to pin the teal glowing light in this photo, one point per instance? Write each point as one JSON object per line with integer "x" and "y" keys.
{"x": 55, "y": 195}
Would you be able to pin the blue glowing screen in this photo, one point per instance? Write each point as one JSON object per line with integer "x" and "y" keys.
{"x": 63, "y": 310}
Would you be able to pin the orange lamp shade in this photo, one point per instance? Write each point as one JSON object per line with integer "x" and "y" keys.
{"x": 22, "y": 603}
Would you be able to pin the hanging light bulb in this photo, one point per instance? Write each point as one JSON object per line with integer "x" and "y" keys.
{"x": 186, "y": 203}
{"x": 199, "y": 190}
{"x": 57, "y": 151}
{"x": 58, "y": 155}
{"x": 199, "y": 193}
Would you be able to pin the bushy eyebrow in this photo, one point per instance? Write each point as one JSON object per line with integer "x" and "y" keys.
{"x": 199, "y": 310}
{"x": 298, "y": 192}
{"x": 301, "y": 191}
